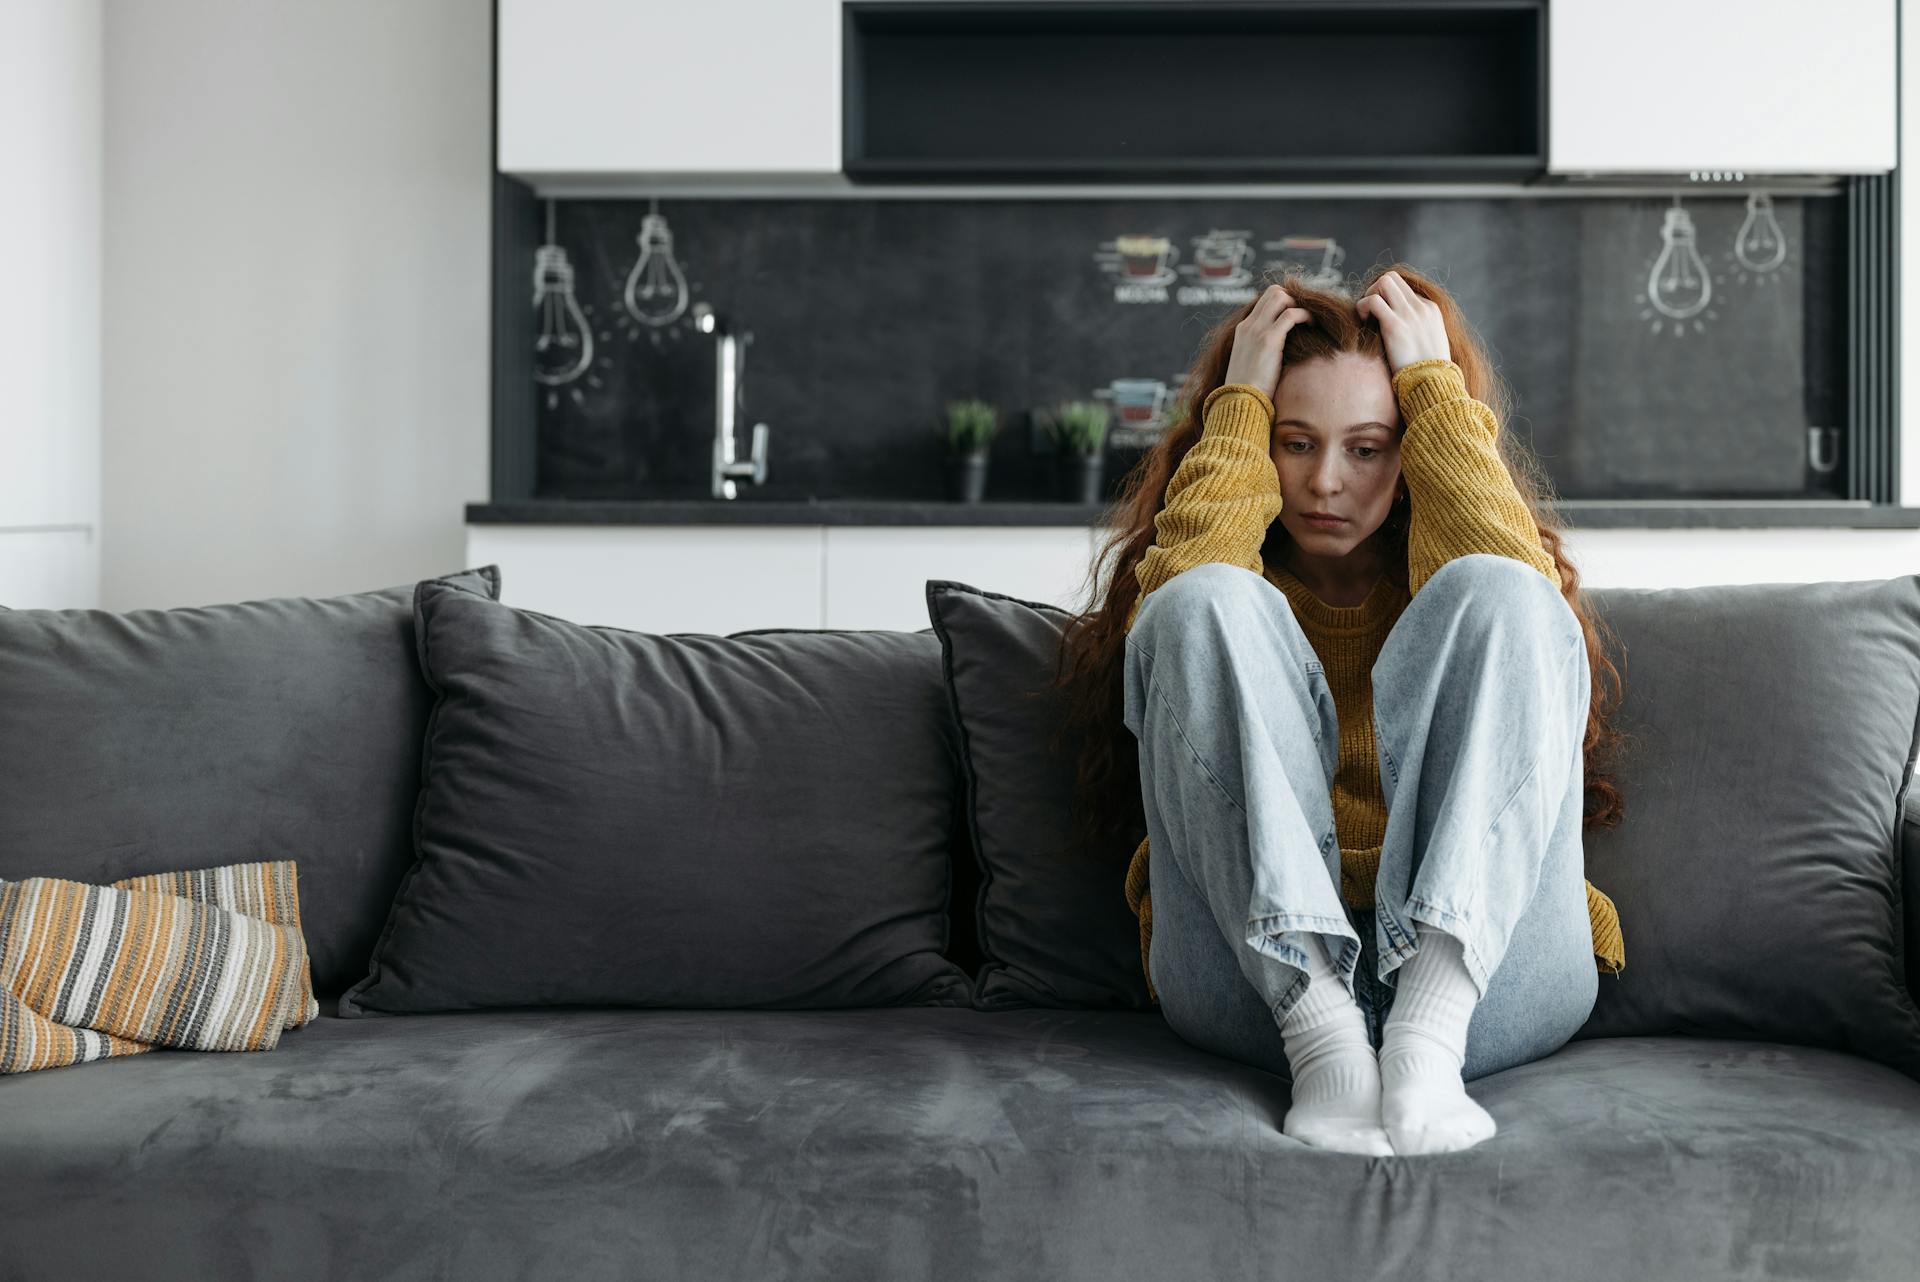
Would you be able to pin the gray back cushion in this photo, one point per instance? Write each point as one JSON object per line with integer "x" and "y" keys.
{"x": 1910, "y": 886}
{"x": 622, "y": 818}
{"x": 1759, "y": 871}
{"x": 1053, "y": 931}
{"x": 152, "y": 740}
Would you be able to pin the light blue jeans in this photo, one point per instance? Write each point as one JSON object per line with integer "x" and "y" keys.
{"x": 1480, "y": 700}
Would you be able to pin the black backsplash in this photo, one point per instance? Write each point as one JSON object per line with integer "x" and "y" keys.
{"x": 867, "y": 316}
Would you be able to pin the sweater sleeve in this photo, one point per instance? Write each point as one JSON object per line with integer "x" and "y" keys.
{"x": 1609, "y": 950}
{"x": 1222, "y": 497}
{"x": 1139, "y": 894}
{"x": 1463, "y": 499}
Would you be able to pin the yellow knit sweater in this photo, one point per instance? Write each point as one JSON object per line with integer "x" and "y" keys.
{"x": 1220, "y": 502}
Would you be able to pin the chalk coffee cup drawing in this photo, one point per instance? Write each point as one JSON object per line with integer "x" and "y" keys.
{"x": 1146, "y": 256}
{"x": 1221, "y": 255}
{"x": 1137, "y": 401}
{"x": 1297, "y": 254}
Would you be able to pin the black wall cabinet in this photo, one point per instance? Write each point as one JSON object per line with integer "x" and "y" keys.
{"x": 1120, "y": 92}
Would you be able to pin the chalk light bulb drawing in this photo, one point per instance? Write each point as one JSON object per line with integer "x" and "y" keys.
{"x": 656, "y": 292}
{"x": 564, "y": 347}
{"x": 1761, "y": 246}
{"x": 1678, "y": 285}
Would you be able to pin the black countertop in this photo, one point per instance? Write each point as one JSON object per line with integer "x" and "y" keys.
{"x": 1576, "y": 513}
{"x": 752, "y": 511}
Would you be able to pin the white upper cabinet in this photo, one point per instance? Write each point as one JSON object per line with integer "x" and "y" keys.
{"x": 752, "y": 87}
{"x": 1760, "y": 86}
{"x": 668, "y": 86}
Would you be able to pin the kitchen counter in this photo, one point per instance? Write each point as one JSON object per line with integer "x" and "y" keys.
{"x": 753, "y": 511}
{"x": 1577, "y": 513}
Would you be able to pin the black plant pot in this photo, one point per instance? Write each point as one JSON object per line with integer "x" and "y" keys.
{"x": 967, "y": 475}
{"x": 1080, "y": 477}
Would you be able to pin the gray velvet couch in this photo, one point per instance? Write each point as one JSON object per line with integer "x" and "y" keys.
{"x": 1744, "y": 1104}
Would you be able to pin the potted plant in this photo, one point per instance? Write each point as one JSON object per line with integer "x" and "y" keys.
{"x": 971, "y": 427}
{"x": 1079, "y": 432}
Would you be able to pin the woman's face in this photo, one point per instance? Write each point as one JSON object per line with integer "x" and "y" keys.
{"x": 1336, "y": 446}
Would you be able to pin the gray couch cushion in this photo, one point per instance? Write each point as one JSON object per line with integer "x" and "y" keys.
{"x": 623, "y": 818}
{"x": 908, "y": 1143}
{"x": 152, "y": 740}
{"x": 1053, "y": 930}
{"x": 1910, "y": 886}
{"x": 1758, "y": 872}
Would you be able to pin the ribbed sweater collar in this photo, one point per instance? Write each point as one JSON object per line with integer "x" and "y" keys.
{"x": 1382, "y": 606}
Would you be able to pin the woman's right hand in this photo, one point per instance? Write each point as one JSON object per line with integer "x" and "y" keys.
{"x": 1260, "y": 337}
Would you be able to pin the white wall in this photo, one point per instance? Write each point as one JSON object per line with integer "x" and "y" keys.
{"x": 296, "y": 294}
{"x": 50, "y": 327}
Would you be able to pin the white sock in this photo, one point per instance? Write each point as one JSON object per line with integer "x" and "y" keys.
{"x": 1336, "y": 1074}
{"x": 1424, "y": 1104}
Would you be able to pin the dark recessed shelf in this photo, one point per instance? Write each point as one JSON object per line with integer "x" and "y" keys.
{"x": 1136, "y": 89}
{"x": 1577, "y": 513}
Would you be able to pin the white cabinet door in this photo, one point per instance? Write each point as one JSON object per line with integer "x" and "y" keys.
{"x": 721, "y": 579}
{"x": 658, "y": 578}
{"x": 668, "y": 86}
{"x": 877, "y": 576}
{"x": 1760, "y": 86}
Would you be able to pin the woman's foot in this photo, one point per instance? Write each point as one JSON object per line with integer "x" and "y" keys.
{"x": 1424, "y": 1105}
{"x": 1336, "y": 1075}
{"x": 1336, "y": 1086}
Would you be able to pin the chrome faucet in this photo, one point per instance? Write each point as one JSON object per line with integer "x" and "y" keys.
{"x": 726, "y": 394}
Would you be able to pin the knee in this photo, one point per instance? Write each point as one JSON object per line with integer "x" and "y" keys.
{"x": 1519, "y": 590}
{"x": 1204, "y": 596}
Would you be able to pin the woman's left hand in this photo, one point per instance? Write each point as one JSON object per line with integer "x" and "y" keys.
{"x": 1411, "y": 326}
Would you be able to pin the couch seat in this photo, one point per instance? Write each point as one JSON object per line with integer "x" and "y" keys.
{"x": 900, "y": 1143}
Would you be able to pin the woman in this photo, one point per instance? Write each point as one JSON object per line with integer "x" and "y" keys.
{"x": 1366, "y": 714}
